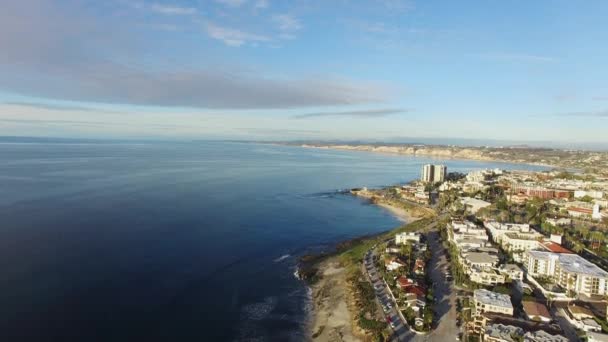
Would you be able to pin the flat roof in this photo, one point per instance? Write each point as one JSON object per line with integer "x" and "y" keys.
{"x": 572, "y": 263}
{"x": 479, "y": 257}
{"x": 503, "y": 332}
{"x": 492, "y": 298}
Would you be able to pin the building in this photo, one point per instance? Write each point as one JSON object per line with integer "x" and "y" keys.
{"x": 404, "y": 238}
{"x": 536, "y": 311}
{"x": 478, "y": 260}
{"x": 559, "y": 221}
{"x": 542, "y": 336}
{"x": 596, "y": 337}
{"x": 569, "y": 271}
{"x": 519, "y": 243}
{"x": 487, "y": 276}
{"x": 439, "y": 173}
{"x": 473, "y": 205}
{"x": 491, "y": 302}
{"x": 512, "y": 271}
{"x": 590, "y": 193}
{"x": 502, "y": 333}
{"x": 393, "y": 264}
{"x": 427, "y": 173}
{"x": 540, "y": 192}
{"x": 497, "y": 229}
{"x": 433, "y": 173}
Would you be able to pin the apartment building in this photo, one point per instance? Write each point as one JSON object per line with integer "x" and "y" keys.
{"x": 570, "y": 271}
{"x": 491, "y": 302}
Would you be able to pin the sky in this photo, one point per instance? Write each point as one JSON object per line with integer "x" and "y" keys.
{"x": 305, "y": 69}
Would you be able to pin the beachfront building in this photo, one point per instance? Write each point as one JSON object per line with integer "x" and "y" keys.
{"x": 427, "y": 173}
{"x": 433, "y": 173}
{"x": 491, "y": 302}
{"x": 439, "y": 173}
{"x": 405, "y": 238}
{"x": 569, "y": 271}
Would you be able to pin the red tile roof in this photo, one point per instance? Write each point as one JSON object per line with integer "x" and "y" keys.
{"x": 419, "y": 291}
{"x": 555, "y": 248}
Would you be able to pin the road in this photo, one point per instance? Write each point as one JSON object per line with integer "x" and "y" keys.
{"x": 445, "y": 306}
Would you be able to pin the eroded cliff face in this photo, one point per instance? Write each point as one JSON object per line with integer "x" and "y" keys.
{"x": 444, "y": 152}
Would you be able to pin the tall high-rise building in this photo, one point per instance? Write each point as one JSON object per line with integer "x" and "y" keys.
{"x": 427, "y": 173}
{"x": 439, "y": 173}
{"x": 433, "y": 173}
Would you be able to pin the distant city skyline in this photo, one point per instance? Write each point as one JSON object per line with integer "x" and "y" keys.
{"x": 378, "y": 70}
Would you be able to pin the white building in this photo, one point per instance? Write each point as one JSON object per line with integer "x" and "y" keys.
{"x": 559, "y": 221}
{"x": 491, "y": 302}
{"x": 404, "y": 238}
{"x": 512, "y": 271}
{"x": 427, "y": 173}
{"x": 433, "y": 173}
{"x": 570, "y": 271}
{"x": 439, "y": 173}
{"x": 478, "y": 260}
{"x": 497, "y": 229}
{"x": 472, "y": 205}
{"x": 590, "y": 193}
{"x": 519, "y": 243}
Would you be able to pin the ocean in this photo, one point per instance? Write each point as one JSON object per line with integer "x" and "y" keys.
{"x": 125, "y": 241}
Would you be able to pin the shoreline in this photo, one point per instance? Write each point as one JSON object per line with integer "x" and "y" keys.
{"x": 332, "y": 316}
{"x": 425, "y": 154}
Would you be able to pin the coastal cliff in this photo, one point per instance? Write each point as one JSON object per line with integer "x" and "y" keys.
{"x": 595, "y": 161}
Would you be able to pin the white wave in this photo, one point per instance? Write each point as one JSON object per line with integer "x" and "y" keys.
{"x": 282, "y": 257}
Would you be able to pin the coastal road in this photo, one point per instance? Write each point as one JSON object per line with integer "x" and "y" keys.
{"x": 445, "y": 305}
{"x": 401, "y": 331}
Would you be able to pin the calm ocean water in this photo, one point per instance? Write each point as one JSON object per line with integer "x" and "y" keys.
{"x": 175, "y": 241}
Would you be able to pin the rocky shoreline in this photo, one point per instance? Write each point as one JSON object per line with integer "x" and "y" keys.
{"x": 333, "y": 317}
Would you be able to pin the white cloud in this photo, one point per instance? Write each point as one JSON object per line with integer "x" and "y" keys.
{"x": 518, "y": 57}
{"x": 233, "y": 37}
{"x": 260, "y": 4}
{"x": 232, "y": 3}
{"x": 165, "y": 9}
{"x": 286, "y": 22}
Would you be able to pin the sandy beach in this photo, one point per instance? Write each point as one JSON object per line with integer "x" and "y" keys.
{"x": 399, "y": 213}
{"x": 332, "y": 319}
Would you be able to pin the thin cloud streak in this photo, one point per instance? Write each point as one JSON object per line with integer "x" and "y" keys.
{"x": 63, "y": 44}
{"x": 597, "y": 114}
{"x": 372, "y": 113}
{"x": 517, "y": 57}
{"x": 58, "y": 107}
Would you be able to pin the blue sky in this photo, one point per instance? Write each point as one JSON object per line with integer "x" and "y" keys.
{"x": 269, "y": 69}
